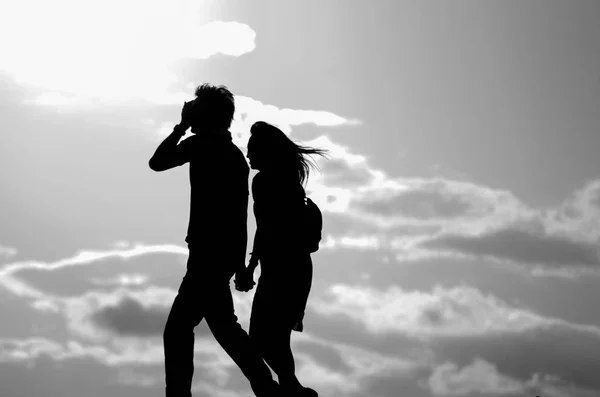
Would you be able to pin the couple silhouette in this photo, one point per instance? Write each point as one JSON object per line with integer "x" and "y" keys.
{"x": 217, "y": 242}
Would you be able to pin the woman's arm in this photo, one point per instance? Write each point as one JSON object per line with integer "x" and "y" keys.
{"x": 255, "y": 254}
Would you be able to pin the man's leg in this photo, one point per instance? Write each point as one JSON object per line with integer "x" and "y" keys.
{"x": 223, "y": 323}
{"x": 178, "y": 338}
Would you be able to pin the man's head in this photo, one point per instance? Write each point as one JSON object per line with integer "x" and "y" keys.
{"x": 213, "y": 108}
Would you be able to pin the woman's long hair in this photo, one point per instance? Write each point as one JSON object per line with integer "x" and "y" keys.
{"x": 287, "y": 155}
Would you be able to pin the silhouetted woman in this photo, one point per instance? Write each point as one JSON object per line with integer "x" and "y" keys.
{"x": 286, "y": 266}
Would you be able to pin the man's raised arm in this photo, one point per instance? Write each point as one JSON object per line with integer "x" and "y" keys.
{"x": 166, "y": 155}
{"x": 169, "y": 154}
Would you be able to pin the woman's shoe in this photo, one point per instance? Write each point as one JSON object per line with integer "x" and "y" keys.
{"x": 300, "y": 391}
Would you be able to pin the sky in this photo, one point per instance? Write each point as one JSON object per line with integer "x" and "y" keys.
{"x": 461, "y": 197}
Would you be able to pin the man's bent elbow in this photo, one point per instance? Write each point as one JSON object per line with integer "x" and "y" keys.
{"x": 155, "y": 166}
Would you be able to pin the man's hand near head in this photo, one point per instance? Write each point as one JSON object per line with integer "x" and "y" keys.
{"x": 187, "y": 112}
{"x": 169, "y": 154}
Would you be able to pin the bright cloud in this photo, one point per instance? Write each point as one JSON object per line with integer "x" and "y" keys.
{"x": 122, "y": 280}
{"x": 86, "y": 257}
{"x": 110, "y": 50}
{"x": 250, "y": 110}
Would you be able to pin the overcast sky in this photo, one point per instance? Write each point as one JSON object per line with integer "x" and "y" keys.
{"x": 461, "y": 199}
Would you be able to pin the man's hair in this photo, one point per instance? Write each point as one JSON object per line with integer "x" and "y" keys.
{"x": 217, "y": 103}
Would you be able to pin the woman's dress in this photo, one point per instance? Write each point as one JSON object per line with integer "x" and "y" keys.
{"x": 286, "y": 267}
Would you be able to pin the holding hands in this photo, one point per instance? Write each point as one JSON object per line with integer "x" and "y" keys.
{"x": 244, "y": 279}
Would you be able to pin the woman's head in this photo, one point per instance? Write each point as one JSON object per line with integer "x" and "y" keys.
{"x": 269, "y": 149}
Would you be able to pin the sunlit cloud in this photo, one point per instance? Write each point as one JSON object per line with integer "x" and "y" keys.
{"x": 111, "y": 50}
{"x": 86, "y": 257}
{"x": 122, "y": 280}
{"x": 249, "y": 110}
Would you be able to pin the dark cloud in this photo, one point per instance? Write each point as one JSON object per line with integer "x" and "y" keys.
{"x": 67, "y": 378}
{"x": 421, "y": 204}
{"x": 130, "y": 318}
{"x": 341, "y": 329}
{"x": 566, "y": 353}
{"x": 393, "y": 386}
{"x": 523, "y": 247}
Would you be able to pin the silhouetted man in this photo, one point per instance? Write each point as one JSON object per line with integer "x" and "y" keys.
{"x": 216, "y": 237}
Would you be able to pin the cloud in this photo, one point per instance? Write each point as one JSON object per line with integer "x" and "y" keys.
{"x": 130, "y": 318}
{"x": 456, "y": 206}
{"x": 122, "y": 280}
{"x": 482, "y": 377}
{"x": 100, "y": 316}
{"x": 478, "y": 377}
{"x": 560, "y": 351}
{"x": 82, "y": 258}
{"x": 522, "y": 247}
{"x": 425, "y": 200}
{"x": 7, "y": 252}
{"x": 337, "y": 368}
{"x": 457, "y": 219}
{"x": 578, "y": 215}
{"x": 249, "y": 110}
{"x": 469, "y": 342}
{"x": 349, "y": 184}
{"x": 122, "y": 50}
{"x": 338, "y": 172}
{"x": 60, "y": 100}
{"x": 443, "y": 312}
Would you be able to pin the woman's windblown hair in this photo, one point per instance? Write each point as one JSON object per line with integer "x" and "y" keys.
{"x": 287, "y": 155}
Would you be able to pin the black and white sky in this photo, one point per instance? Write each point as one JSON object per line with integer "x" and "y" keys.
{"x": 461, "y": 198}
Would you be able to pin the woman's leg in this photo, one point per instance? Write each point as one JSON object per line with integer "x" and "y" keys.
{"x": 278, "y": 304}
{"x": 271, "y": 329}
{"x": 274, "y": 344}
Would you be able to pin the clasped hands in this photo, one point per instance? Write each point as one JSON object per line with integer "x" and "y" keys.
{"x": 244, "y": 279}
